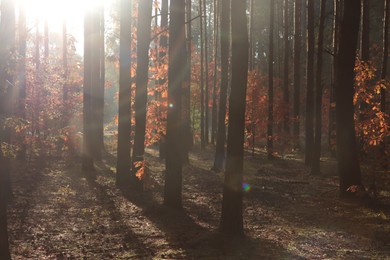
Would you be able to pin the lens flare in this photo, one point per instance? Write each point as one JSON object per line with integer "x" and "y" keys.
{"x": 246, "y": 187}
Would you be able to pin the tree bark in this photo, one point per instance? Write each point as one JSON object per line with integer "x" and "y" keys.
{"x": 207, "y": 94}
{"x": 123, "y": 166}
{"x": 231, "y": 219}
{"x": 176, "y": 77}
{"x": 297, "y": 72}
{"x": 286, "y": 87}
{"x": 219, "y": 157}
{"x": 385, "y": 52}
{"x": 315, "y": 166}
{"x": 271, "y": 82}
{"x": 87, "y": 158}
{"x": 202, "y": 90}
{"x": 309, "y": 123}
{"x": 347, "y": 154}
{"x": 141, "y": 89}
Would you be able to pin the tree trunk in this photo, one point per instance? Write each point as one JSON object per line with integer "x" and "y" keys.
{"x": 22, "y": 76}
{"x": 286, "y": 87}
{"x": 315, "y": 166}
{"x": 385, "y": 52}
{"x": 87, "y": 159}
{"x": 101, "y": 86}
{"x": 297, "y": 72}
{"x": 219, "y": 157}
{"x": 141, "y": 91}
{"x": 271, "y": 82}
{"x": 187, "y": 133}
{"x": 214, "y": 118}
{"x": 332, "y": 101}
{"x": 347, "y": 155}
{"x": 309, "y": 124}
{"x": 231, "y": 219}
{"x": 162, "y": 54}
{"x": 46, "y": 40}
{"x": 176, "y": 77}
{"x": 207, "y": 94}
{"x": 7, "y": 49}
{"x": 202, "y": 94}
{"x": 123, "y": 166}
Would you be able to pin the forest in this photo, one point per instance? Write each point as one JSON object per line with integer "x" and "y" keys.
{"x": 194, "y": 129}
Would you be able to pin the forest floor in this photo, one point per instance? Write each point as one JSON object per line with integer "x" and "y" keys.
{"x": 59, "y": 213}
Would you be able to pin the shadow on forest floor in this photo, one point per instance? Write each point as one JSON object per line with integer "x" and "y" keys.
{"x": 62, "y": 213}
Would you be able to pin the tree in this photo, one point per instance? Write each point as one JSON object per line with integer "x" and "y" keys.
{"x": 7, "y": 48}
{"x": 347, "y": 154}
{"x": 123, "y": 166}
{"x": 286, "y": 89}
{"x": 219, "y": 157}
{"x": 297, "y": 71}
{"x": 202, "y": 90}
{"x": 385, "y": 52}
{"x": 206, "y": 67}
{"x": 271, "y": 82}
{"x": 309, "y": 123}
{"x": 176, "y": 79}
{"x": 315, "y": 166}
{"x": 87, "y": 159}
{"x": 141, "y": 85}
{"x": 231, "y": 219}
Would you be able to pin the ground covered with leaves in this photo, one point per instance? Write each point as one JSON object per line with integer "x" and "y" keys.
{"x": 59, "y": 213}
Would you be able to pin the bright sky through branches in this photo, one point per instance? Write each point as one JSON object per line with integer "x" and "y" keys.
{"x": 55, "y": 11}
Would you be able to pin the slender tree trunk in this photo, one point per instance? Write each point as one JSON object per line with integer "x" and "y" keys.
{"x": 65, "y": 64}
{"x": 309, "y": 124}
{"x": 162, "y": 54}
{"x": 141, "y": 92}
{"x": 365, "y": 35}
{"x": 286, "y": 87}
{"x": 215, "y": 83}
{"x": 7, "y": 49}
{"x": 123, "y": 166}
{"x": 202, "y": 90}
{"x": 22, "y": 75}
{"x": 187, "y": 133}
{"x": 347, "y": 154}
{"x": 87, "y": 159}
{"x": 297, "y": 71}
{"x": 176, "y": 77}
{"x": 271, "y": 82}
{"x": 101, "y": 86}
{"x": 231, "y": 219}
{"x": 315, "y": 167}
{"x": 219, "y": 157}
{"x": 207, "y": 94}
{"x": 332, "y": 101}
{"x": 96, "y": 91}
{"x": 385, "y": 52}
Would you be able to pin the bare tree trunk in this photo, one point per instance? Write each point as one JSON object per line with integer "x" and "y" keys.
{"x": 219, "y": 158}
{"x": 385, "y": 52}
{"x": 46, "y": 39}
{"x": 286, "y": 87}
{"x": 176, "y": 77}
{"x": 297, "y": 72}
{"x": 231, "y": 218}
{"x": 87, "y": 159}
{"x": 207, "y": 94}
{"x": 309, "y": 124}
{"x": 202, "y": 90}
{"x": 7, "y": 49}
{"x": 215, "y": 83}
{"x": 123, "y": 166}
{"x": 271, "y": 82}
{"x": 315, "y": 166}
{"x": 347, "y": 154}
{"x": 141, "y": 91}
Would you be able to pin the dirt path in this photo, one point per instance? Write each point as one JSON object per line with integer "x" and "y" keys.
{"x": 58, "y": 213}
